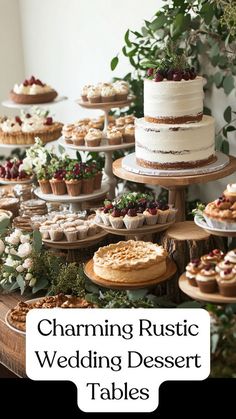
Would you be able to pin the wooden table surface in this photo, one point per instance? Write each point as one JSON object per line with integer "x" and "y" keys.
{"x": 12, "y": 344}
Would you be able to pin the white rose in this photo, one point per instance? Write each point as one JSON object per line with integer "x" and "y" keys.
{"x": 32, "y": 282}
{"x": 24, "y": 250}
{"x": 27, "y": 164}
{"x": 24, "y": 238}
{"x": 28, "y": 277}
{"x": 20, "y": 268}
{"x": 13, "y": 239}
{"x": 17, "y": 232}
{"x": 9, "y": 261}
{"x": 13, "y": 252}
{"x": 2, "y": 247}
{"x": 28, "y": 263}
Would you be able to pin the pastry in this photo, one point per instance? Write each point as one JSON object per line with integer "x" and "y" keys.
{"x": 93, "y": 137}
{"x": 79, "y": 134}
{"x": 151, "y": 216}
{"x": 94, "y": 94}
{"x": 116, "y": 219}
{"x": 206, "y": 279}
{"x": 67, "y": 132}
{"x": 130, "y": 261}
{"x": 131, "y": 219}
{"x": 129, "y": 134}
{"x": 231, "y": 256}
{"x": 32, "y": 91}
{"x": 108, "y": 93}
{"x": 227, "y": 282}
{"x": 114, "y": 136}
{"x": 163, "y": 213}
{"x": 224, "y": 265}
{"x": 192, "y": 269}
{"x": 221, "y": 214}
{"x": 56, "y": 233}
{"x": 213, "y": 257}
{"x": 84, "y": 93}
{"x": 82, "y": 232}
{"x": 121, "y": 90}
{"x": 73, "y": 187}
{"x": 71, "y": 234}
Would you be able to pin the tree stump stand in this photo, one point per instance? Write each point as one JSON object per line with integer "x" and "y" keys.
{"x": 184, "y": 241}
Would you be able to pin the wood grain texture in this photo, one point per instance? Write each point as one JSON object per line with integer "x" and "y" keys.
{"x": 12, "y": 344}
{"x": 187, "y": 230}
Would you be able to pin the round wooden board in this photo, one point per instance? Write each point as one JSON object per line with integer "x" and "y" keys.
{"x": 213, "y": 231}
{"x": 170, "y": 181}
{"x": 107, "y": 105}
{"x": 196, "y": 294}
{"x": 186, "y": 230}
{"x": 88, "y": 270}
{"x": 103, "y": 147}
{"x": 137, "y": 231}
{"x": 65, "y": 245}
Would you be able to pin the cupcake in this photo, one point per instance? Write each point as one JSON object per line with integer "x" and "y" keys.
{"x": 114, "y": 136}
{"x": 79, "y": 134}
{"x": 172, "y": 214}
{"x": 129, "y": 119}
{"x": 105, "y": 215}
{"x": 224, "y": 265}
{"x": 92, "y": 230}
{"x": 121, "y": 91}
{"x": 231, "y": 256}
{"x": 98, "y": 217}
{"x": 93, "y": 137}
{"x": 73, "y": 187}
{"x": 67, "y": 132}
{"x": 84, "y": 93}
{"x": 116, "y": 219}
{"x": 213, "y": 257}
{"x": 131, "y": 219}
{"x": 163, "y": 213}
{"x": 56, "y": 234}
{"x": 192, "y": 269}
{"x": 108, "y": 93}
{"x": 151, "y": 215}
{"x": 82, "y": 232}
{"x": 227, "y": 283}
{"x": 206, "y": 279}
{"x": 230, "y": 192}
{"x": 96, "y": 123}
{"x": 44, "y": 231}
{"x": 120, "y": 122}
{"x": 141, "y": 219}
{"x": 71, "y": 234}
{"x": 58, "y": 186}
{"x": 94, "y": 94}
{"x": 221, "y": 214}
{"x": 128, "y": 136}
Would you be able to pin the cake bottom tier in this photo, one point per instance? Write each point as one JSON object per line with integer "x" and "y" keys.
{"x": 175, "y": 145}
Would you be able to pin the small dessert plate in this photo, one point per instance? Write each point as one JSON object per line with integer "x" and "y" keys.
{"x": 214, "y": 231}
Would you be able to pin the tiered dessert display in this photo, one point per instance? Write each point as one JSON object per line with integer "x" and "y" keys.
{"x": 135, "y": 214}
{"x": 130, "y": 264}
{"x": 219, "y": 217}
{"x": 174, "y": 142}
{"x": 211, "y": 278}
{"x": 21, "y": 131}
{"x": 104, "y": 96}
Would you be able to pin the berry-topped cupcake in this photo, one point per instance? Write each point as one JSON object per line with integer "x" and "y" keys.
{"x": 151, "y": 215}
{"x": 227, "y": 283}
{"x": 192, "y": 269}
{"x": 231, "y": 256}
{"x": 206, "y": 279}
{"x": 131, "y": 219}
{"x": 105, "y": 214}
{"x": 116, "y": 219}
{"x": 163, "y": 213}
{"x": 224, "y": 265}
{"x": 213, "y": 257}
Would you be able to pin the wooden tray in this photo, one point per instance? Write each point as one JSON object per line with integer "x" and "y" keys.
{"x": 65, "y": 245}
{"x": 146, "y": 229}
{"x": 88, "y": 270}
{"x": 196, "y": 294}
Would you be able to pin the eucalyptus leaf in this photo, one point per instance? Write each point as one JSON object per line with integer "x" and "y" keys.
{"x": 20, "y": 281}
{"x": 9, "y": 269}
{"x": 228, "y": 114}
{"x": 14, "y": 287}
{"x": 92, "y": 298}
{"x": 158, "y": 23}
{"x": 37, "y": 241}
{"x": 89, "y": 286}
{"x": 114, "y": 63}
{"x": 228, "y": 84}
{"x": 41, "y": 284}
{"x": 190, "y": 304}
{"x": 219, "y": 142}
{"x": 207, "y": 12}
{"x": 4, "y": 223}
{"x": 127, "y": 41}
{"x": 78, "y": 156}
{"x": 137, "y": 294}
{"x": 218, "y": 78}
{"x": 225, "y": 147}
{"x": 61, "y": 149}
{"x": 144, "y": 31}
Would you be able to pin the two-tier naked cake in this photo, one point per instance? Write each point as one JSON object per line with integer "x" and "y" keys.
{"x": 174, "y": 133}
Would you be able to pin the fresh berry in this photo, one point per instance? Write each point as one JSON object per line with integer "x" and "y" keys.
{"x": 38, "y": 82}
{"x": 131, "y": 205}
{"x": 150, "y": 72}
{"x": 18, "y": 120}
{"x": 123, "y": 212}
{"x": 186, "y": 75}
{"x": 31, "y": 80}
{"x": 169, "y": 75}
{"x": 116, "y": 213}
{"x": 132, "y": 212}
{"x": 208, "y": 267}
{"x": 211, "y": 254}
{"x": 159, "y": 77}
{"x": 227, "y": 262}
{"x": 177, "y": 76}
{"x": 25, "y": 83}
{"x": 216, "y": 251}
{"x": 152, "y": 211}
{"x": 28, "y": 115}
{"x": 109, "y": 206}
{"x": 227, "y": 271}
{"x": 106, "y": 210}
{"x": 48, "y": 121}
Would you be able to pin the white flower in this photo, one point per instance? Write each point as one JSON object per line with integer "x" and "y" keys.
{"x": 2, "y": 247}
{"x": 24, "y": 238}
{"x": 32, "y": 282}
{"x": 28, "y": 277}
{"x": 17, "y": 232}
{"x": 9, "y": 261}
{"x": 27, "y": 164}
{"x": 6, "y": 249}
{"x": 24, "y": 250}
{"x": 13, "y": 239}
{"x": 13, "y": 251}
{"x": 28, "y": 263}
{"x": 20, "y": 268}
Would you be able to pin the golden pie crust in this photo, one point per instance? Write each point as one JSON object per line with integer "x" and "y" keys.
{"x": 130, "y": 261}
{"x": 17, "y": 315}
{"x": 33, "y": 99}
{"x": 49, "y": 133}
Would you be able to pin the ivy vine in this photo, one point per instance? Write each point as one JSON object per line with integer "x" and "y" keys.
{"x": 201, "y": 29}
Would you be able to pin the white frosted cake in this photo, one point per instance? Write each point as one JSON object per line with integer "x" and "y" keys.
{"x": 174, "y": 133}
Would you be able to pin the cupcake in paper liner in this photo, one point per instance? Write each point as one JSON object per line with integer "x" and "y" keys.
{"x": 172, "y": 214}
{"x": 214, "y": 257}
{"x": 98, "y": 216}
{"x": 131, "y": 219}
{"x": 206, "y": 280}
{"x": 105, "y": 217}
{"x": 163, "y": 213}
{"x": 192, "y": 269}
{"x": 82, "y": 232}
{"x": 231, "y": 256}
{"x": 151, "y": 216}
{"x": 141, "y": 219}
{"x": 71, "y": 234}
{"x": 116, "y": 219}
{"x": 227, "y": 283}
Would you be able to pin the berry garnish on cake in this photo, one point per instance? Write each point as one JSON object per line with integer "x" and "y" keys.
{"x": 12, "y": 170}
{"x": 32, "y": 91}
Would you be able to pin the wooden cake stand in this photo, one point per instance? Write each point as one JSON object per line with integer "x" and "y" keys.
{"x": 196, "y": 294}
{"x": 89, "y": 272}
{"x": 176, "y": 185}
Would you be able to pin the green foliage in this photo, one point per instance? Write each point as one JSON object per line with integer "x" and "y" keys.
{"x": 204, "y": 31}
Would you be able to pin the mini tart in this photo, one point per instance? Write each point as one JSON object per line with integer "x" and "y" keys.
{"x": 130, "y": 261}
{"x": 50, "y": 133}
{"x": 230, "y": 192}
{"x": 213, "y": 257}
{"x": 206, "y": 280}
{"x": 192, "y": 269}
{"x": 227, "y": 283}
{"x": 231, "y": 256}
{"x": 33, "y": 99}
{"x": 221, "y": 214}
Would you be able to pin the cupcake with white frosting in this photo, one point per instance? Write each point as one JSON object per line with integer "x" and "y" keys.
{"x": 121, "y": 90}
{"x": 84, "y": 93}
{"x": 230, "y": 192}
{"x": 94, "y": 94}
{"x": 108, "y": 93}
{"x": 206, "y": 280}
{"x": 224, "y": 265}
{"x": 231, "y": 256}
{"x": 192, "y": 269}
{"x": 93, "y": 137}
{"x": 227, "y": 283}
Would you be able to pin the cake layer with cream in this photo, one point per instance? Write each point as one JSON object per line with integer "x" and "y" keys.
{"x": 173, "y": 102}
{"x": 174, "y": 145}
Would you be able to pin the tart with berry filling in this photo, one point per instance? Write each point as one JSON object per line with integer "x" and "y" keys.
{"x": 32, "y": 91}
{"x": 23, "y": 129}
{"x": 221, "y": 214}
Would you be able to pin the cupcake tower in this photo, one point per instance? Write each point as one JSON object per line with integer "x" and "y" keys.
{"x": 214, "y": 273}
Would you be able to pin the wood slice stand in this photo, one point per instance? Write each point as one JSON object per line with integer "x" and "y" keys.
{"x": 176, "y": 185}
{"x": 184, "y": 241}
